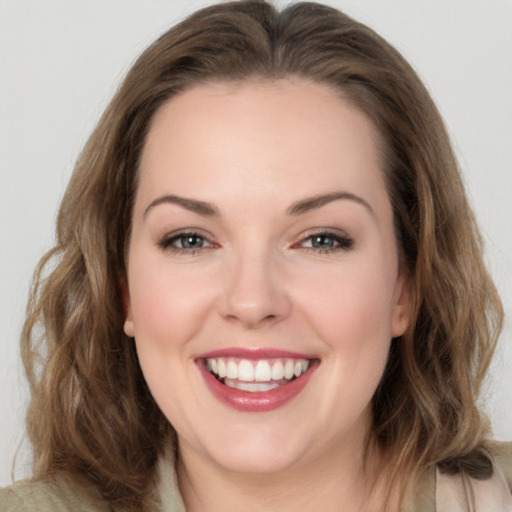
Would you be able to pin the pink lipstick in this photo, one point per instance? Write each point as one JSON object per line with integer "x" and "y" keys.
{"x": 256, "y": 380}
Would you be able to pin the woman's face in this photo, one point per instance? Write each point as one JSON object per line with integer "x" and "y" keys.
{"x": 263, "y": 248}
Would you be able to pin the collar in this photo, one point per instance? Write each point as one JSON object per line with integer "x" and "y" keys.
{"x": 434, "y": 492}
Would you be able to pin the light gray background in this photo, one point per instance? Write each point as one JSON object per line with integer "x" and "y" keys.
{"x": 61, "y": 60}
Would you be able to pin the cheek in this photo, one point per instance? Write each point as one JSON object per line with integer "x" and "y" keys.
{"x": 349, "y": 311}
{"x": 168, "y": 303}
{"x": 168, "y": 307}
{"x": 352, "y": 306}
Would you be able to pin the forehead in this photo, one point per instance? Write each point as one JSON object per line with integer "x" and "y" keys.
{"x": 276, "y": 103}
{"x": 287, "y": 134}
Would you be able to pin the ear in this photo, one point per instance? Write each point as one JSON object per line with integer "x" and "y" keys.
{"x": 129, "y": 329}
{"x": 402, "y": 305}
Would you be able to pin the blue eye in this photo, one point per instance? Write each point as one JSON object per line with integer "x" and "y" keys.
{"x": 184, "y": 242}
{"x": 190, "y": 242}
{"x": 322, "y": 242}
{"x": 326, "y": 242}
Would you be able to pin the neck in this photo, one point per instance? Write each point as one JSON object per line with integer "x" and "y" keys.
{"x": 321, "y": 484}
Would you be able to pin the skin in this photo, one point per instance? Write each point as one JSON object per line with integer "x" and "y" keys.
{"x": 252, "y": 150}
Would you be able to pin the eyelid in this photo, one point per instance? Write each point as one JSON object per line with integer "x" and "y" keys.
{"x": 165, "y": 241}
{"x": 344, "y": 240}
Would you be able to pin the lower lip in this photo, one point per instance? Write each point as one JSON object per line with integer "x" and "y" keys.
{"x": 263, "y": 401}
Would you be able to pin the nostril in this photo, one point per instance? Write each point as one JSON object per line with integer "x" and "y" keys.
{"x": 252, "y": 321}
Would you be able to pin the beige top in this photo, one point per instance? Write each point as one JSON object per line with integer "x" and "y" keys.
{"x": 436, "y": 492}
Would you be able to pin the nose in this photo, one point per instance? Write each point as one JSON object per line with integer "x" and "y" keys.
{"x": 255, "y": 292}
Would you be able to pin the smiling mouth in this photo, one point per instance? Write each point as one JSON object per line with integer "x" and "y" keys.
{"x": 256, "y": 376}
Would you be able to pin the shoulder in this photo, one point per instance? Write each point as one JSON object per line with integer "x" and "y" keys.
{"x": 460, "y": 492}
{"x": 502, "y": 455}
{"x": 57, "y": 495}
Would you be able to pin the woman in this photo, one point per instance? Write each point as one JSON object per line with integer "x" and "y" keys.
{"x": 268, "y": 288}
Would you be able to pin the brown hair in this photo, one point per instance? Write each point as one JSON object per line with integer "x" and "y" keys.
{"x": 91, "y": 413}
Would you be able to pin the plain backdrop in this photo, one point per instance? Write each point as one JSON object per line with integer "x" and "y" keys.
{"x": 60, "y": 62}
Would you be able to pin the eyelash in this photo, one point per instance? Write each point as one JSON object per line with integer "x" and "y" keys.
{"x": 166, "y": 243}
{"x": 340, "y": 242}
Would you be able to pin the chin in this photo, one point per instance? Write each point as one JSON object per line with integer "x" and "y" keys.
{"x": 258, "y": 461}
{"x": 248, "y": 449}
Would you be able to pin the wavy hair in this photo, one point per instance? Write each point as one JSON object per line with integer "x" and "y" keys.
{"x": 91, "y": 414}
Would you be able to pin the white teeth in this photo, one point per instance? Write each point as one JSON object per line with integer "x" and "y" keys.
{"x": 263, "y": 371}
{"x": 245, "y": 371}
{"x": 221, "y": 366}
{"x": 242, "y": 373}
{"x": 232, "y": 370}
{"x": 278, "y": 370}
{"x": 253, "y": 387}
{"x": 289, "y": 369}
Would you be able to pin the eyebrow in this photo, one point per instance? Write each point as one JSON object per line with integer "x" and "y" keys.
{"x": 300, "y": 207}
{"x": 315, "y": 202}
{"x": 193, "y": 205}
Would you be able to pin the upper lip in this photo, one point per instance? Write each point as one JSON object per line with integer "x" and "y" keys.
{"x": 254, "y": 353}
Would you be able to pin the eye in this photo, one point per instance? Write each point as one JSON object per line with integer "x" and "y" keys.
{"x": 185, "y": 242}
{"x": 324, "y": 242}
